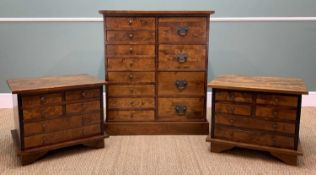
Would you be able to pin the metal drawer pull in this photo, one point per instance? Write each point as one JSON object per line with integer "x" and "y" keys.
{"x": 42, "y": 99}
{"x": 130, "y": 76}
{"x": 131, "y": 35}
{"x": 181, "y": 109}
{"x": 130, "y": 21}
{"x": 181, "y": 84}
{"x": 130, "y": 50}
{"x": 182, "y": 57}
{"x": 182, "y": 30}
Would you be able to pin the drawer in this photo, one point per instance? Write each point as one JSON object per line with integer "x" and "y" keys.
{"x": 130, "y": 50}
{"x": 187, "y": 30}
{"x": 84, "y": 107}
{"x": 131, "y": 64}
{"x": 36, "y": 100}
{"x": 237, "y": 109}
{"x": 131, "y": 90}
{"x": 252, "y": 123}
{"x": 131, "y": 77}
{"x": 278, "y": 100}
{"x": 82, "y": 94}
{"x": 181, "y": 109}
{"x": 275, "y": 113}
{"x": 181, "y": 83}
{"x": 233, "y": 96}
{"x": 121, "y": 103}
{"x": 130, "y": 23}
{"x": 182, "y": 57}
{"x": 130, "y": 37}
{"x": 33, "y": 114}
{"x": 144, "y": 115}
{"x": 254, "y": 137}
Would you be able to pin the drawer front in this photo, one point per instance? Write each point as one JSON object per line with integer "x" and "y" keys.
{"x": 254, "y": 137}
{"x": 130, "y": 23}
{"x": 130, "y": 37}
{"x": 187, "y": 30}
{"x": 182, "y": 57}
{"x": 36, "y": 100}
{"x": 121, "y": 103}
{"x": 33, "y": 114}
{"x": 91, "y": 118}
{"x": 181, "y": 83}
{"x": 275, "y": 113}
{"x": 236, "y": 109}
{"x": 144, "y": 115}
{"x": 278, "y": 100}
{"x": 180, "y": 109}
{"x": 130, "y": 50}
{"x": 232, "y": 96}
{"x": 131, "y": 64}
{"x": 82, "y": 94}
{"x": 131, "y": 90}
{"x": 84, "y": 107}
{"x": 131, "y": 77}
{"x": 251, "y": 123}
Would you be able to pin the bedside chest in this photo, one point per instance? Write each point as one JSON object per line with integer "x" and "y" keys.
{"x": 55, "y": 112}
{"x": 156, "y": 69}
{"x": 261, "y": 113}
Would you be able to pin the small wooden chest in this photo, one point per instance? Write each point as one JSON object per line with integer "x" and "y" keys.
{"x": 55, "y": 112}
{"x": 261, "y": 113}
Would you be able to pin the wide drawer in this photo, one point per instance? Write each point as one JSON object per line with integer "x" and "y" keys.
{"x": 279, "y": 100}
{"x": 181, "y": 83}
{"x": 83, "y": 107}
{"x": 130, "y": 50}
{"x": 38, "y": 113}
{"x": 130, "y": 37}
{"x": 131, "y": 77}
{"x": 83, "y": 94}
{"x": 181, "y": 109}
{"x": 182, "y": 57}
{"x": 129, "y": 23}
{"x": 131, "y": 64}
{"x": 253, "y": 137}
{"x": 252, "y": 123}
{"x": 123, "y": 103}
{"x": 44, "y": 99}
{"x": 233, "y": 96}
{"x": 131, "y": 90}
{"x": 144, "y": 115}
{"x": 276, "y": 113}
{"x": 237, "y": 109}
{"x": 184, "y": 30}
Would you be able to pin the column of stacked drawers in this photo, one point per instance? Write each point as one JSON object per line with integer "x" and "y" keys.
{"x": 156, "y": 64}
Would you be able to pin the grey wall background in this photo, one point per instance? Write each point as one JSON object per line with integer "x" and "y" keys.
{"x": 252, "y": 48}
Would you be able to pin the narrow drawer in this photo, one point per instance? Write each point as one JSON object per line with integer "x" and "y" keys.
{"x": 82, "y": 94}
{"x": 275, "y": 113}
{"x": 181, "y": 109}
{"x": 131, "y": 77}
{"x": 184, "y": 30}
{"x": 131, "y": 90}
{"x": 83, "y": 107}
{"x": 131, "y": 64}
{"x": 144, "y": 115}
{"x": 182, "y": 57}
{"x": 122, "y": 103}
{"x": 237, "y": 109}
{"x": 252, "y": 123}
{"x": 254, "y": 137}
{"x": 34, "y": 114}
{"x": 130, "y": 23}
{"x": 44, "y": 99}
{"x": 181, "y": 83}
{"x": 130, "y": 37}
{"x": 130, "y": 50}
{"x": 279, "y": 100}
{"x": 233, "y": 96}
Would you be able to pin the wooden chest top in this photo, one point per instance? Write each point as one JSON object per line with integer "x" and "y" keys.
{"x": 154, "y": 13}
{"x": 42, "y": 84}
{"x": 260, "y": 84}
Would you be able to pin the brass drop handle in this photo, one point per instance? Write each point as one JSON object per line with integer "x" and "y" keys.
{"x": 131, "y": 35}
{"x": 181, "y": 109}
{"x": 182, "y": 30}
{"x": 130, "y": 50}
{"x": 181, "y": 84}
{"x": 182, "y": 57}
{"x": 130, "y": 21}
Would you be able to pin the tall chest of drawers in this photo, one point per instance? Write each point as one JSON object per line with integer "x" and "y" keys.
{"x": 56, "y": 112}
{"x": 156, "y": 69}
